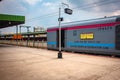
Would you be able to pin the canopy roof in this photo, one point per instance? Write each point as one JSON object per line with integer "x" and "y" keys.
{"x": 11, "y": 20}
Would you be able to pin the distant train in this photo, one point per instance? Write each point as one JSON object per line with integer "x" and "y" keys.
{"x": 101, "y": 36}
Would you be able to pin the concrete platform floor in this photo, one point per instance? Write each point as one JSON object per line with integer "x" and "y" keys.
{"x": 22, "y": 63}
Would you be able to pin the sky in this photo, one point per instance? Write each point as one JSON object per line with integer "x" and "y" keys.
{"x": 44, "y": 13}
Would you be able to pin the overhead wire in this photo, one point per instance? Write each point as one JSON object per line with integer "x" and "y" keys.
{"x": 46, "y": 15}
{"x": 95, "y": 4}
{"x": 41, "y": 17}
{"x": 85, "y": 6}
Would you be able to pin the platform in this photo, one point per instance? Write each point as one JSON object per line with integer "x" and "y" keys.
{"x": 23, "y": 63}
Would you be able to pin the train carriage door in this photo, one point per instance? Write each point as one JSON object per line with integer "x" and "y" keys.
{"x": 62, "y": 38}
{"x": 117, "y": 42}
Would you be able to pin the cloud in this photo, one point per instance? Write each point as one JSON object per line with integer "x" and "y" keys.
{"x": 98, "y": 6}
{"x": 33, "y": 2}
{"x": 12, "y": 7}
{"x": 117, "y": 13}
{"x": 67, "y": 20}
{"x": 48, "y": 4}
{"x": 52, "y": 6}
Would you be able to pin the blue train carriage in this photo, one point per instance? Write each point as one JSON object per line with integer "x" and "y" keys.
{"x": 93, "y": 36}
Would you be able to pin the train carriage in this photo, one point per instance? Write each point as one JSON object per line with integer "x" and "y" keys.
{"x": 100, "y": 35}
